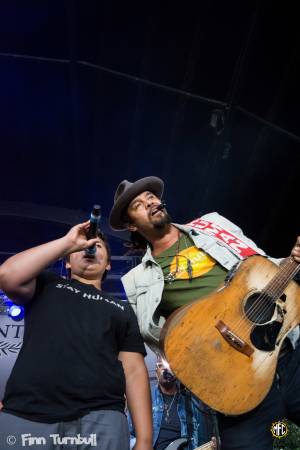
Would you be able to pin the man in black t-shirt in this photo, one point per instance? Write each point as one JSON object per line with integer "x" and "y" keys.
{"x": 82, "y": 353}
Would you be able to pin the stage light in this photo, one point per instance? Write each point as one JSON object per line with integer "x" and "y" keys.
{"x": 7, "y": 307}
{"x": 217, "y": 121}
{"x": 16, "y": 312}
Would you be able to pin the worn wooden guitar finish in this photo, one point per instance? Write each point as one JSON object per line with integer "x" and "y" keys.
{"x": 224, "y": 348}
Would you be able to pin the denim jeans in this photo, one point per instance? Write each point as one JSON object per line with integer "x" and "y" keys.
{"x": 251, "y": 431}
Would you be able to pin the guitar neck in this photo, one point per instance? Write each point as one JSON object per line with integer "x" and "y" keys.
{"x": 208, "y": 446}
{"x": 278, "y": 283}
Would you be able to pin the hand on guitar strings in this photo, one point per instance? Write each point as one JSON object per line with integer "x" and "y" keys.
{"x": 296, "y": 250}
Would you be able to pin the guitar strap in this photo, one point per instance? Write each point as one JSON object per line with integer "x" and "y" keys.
{"x": 210, "y": 419}
{"x": 189, "y": 416}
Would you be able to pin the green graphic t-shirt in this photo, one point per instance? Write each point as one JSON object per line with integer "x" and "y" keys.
{"x": 194, "y": 272}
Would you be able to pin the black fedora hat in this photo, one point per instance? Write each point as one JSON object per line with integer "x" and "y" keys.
{"x": 126, "y": 192}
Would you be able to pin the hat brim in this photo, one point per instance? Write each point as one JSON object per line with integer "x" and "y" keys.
{"x": 152, "y": 184}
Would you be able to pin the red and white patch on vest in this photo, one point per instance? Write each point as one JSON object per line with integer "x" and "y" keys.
{"x": 239, "y": 247}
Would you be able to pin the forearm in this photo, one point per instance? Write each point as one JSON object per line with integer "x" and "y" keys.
{"x": 25, "y": 266}
{"x": 139, "y": 404}
{"x": 18, "y": 274}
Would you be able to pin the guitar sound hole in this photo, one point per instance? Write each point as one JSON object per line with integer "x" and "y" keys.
{"x": 259, "y": 308}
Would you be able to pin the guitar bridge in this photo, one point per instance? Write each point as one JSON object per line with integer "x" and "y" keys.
{"x": 235, "y": 341}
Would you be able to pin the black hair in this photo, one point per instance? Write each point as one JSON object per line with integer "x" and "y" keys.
{"x": 137, "y": 242}
{"x": 103, "y": 237}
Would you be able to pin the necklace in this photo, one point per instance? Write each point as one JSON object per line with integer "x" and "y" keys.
{"x": 168, "y": 406}
{"x": 171, "y": 277}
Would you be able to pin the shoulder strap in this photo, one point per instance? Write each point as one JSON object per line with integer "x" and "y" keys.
{"x": 189, "y": 416}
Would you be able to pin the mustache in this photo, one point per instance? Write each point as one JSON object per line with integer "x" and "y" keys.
{"x": 157, "y": 208}
{"x": 161, "y": 206}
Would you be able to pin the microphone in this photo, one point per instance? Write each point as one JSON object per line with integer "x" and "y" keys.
{"x": 93, "y": 229}
{"x": 161, "y": 206}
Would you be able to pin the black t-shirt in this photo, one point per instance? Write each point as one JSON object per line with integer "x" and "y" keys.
{"x": 68, "y": 364}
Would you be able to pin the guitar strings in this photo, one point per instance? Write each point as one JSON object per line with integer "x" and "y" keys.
{"x": 273, "y": 286}
{"x": 285, "y": 270}
{"x": 241, "y": 321}
{"x": 267, "y": 356}
{"x": 273, "y": 290}
{"x": 277, "y": 289}
{"x": 263, "y": 298}
{"x": 239, "y": 325}
{"x": 262, "y": 303}
{"x": 261, "y": 363}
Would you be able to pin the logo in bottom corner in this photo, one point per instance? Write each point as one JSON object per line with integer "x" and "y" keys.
{"x": 279, "y": 429}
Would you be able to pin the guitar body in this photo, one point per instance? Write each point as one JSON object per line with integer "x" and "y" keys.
{"x": 232, "y": 377}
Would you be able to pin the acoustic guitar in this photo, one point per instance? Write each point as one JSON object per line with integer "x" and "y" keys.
{"x": 179, "y": 444}
{"x": 224, "y": 347}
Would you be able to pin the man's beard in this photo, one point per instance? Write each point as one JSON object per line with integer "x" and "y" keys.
{"x": 167, "y": 379}
{"x": 164, "y": 220}
{"x": 167, "y": 384}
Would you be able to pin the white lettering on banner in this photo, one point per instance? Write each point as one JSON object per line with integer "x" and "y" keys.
{"x": 12, "y": 331}
{"x": 239, "y": 247}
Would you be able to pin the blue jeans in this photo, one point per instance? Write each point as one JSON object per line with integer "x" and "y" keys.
{"x": 251, "y": 431}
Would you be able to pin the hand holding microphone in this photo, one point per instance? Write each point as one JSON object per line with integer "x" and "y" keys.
{"x": 77, "y": 238}
{"x": 93, "y": 228}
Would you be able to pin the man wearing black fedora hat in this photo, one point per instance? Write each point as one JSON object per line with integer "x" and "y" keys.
{"x": 183, "y": 263}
